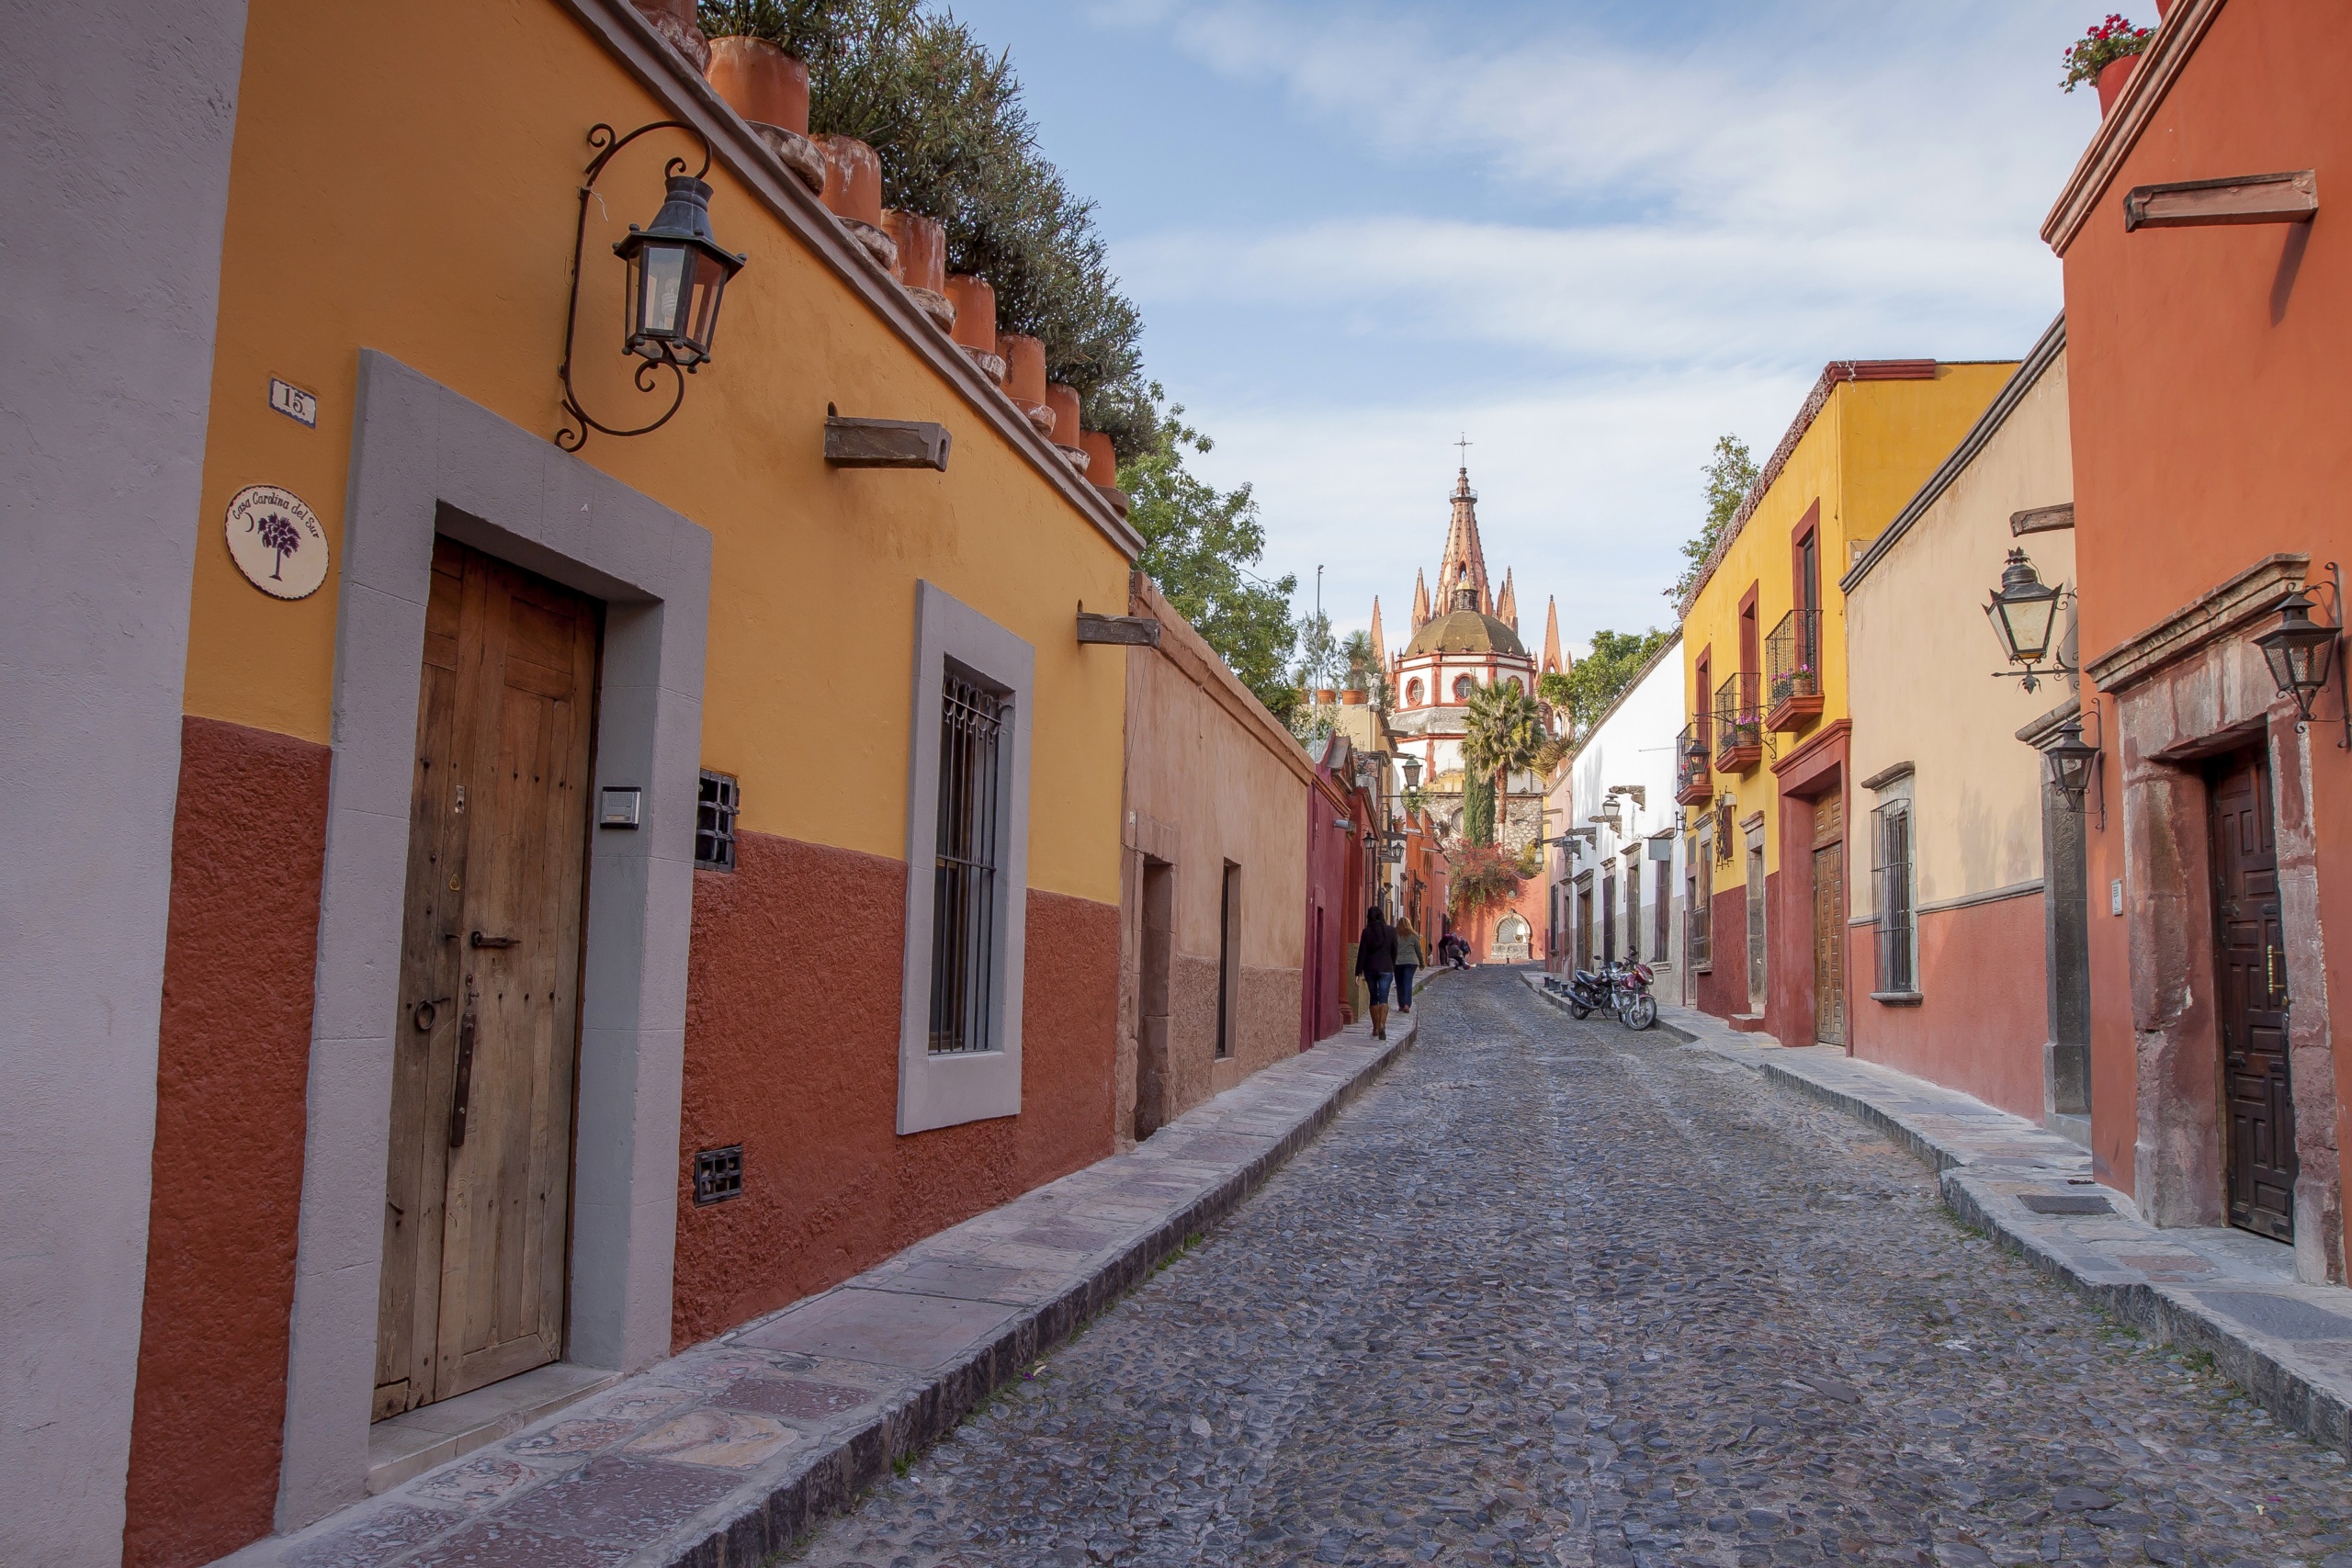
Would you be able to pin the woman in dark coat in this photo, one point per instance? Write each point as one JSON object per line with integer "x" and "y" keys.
{"x": 1376, "y": 961}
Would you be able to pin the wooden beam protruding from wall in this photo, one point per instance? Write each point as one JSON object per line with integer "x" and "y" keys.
{"x": 2289, "y": 198}
{"x": 885, "y": 443}
{"x": 2042, "y": 519}
{"x": 1134, "y": 631}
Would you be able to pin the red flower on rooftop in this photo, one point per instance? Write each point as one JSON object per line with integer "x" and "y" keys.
{"x": 2111, "y": 40}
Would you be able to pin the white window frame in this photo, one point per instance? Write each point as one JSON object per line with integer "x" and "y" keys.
{"x": 944, "y": 1090}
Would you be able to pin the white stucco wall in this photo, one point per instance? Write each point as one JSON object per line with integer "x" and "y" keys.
{"x": 1633, "y": 745}
{"x": 114, "y": 122}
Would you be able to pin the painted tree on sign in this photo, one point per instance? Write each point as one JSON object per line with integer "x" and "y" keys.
{"x": 278, "y": 536}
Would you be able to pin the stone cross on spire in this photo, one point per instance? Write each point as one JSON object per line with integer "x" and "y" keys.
{"x": 1462, "y": 548}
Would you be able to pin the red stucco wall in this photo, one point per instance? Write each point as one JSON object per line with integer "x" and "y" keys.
{"x": 2209, "y": 400}
{"x": 248, "y": 842}
{"x": 1722, "y": 989}
{"x": 1985, "y": 1017}
{"x": 792, "y": 1050}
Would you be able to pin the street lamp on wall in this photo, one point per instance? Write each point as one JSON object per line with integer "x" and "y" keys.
{"x": 2074, "y": 765}
{"x": 2024, "y": 614}
{"x": 677, "y": 275}
{"x": 2301, "y": 652}
{"x": 1412, "y": 773}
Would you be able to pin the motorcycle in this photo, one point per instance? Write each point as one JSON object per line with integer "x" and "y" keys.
{"x": 1630, "y": 994}
{"x": 1588, "y": 992}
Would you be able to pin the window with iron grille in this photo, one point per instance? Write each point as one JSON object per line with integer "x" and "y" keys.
{"x": 1633, "y": 912}
{"x": 714, "y": 810}
{"x": 718, "y": 1174}
{"x": 1891, "y": 869}
{"x": 1229, "y": 957}
{"x": 1663, "y": 899}
{"x": 964, "y": 934}
{"x": 1699, "y": 906}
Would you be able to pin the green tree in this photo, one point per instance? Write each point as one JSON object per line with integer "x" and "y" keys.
{"x": 1585, "y": 693}
{"x": 1199, "y": 544}
{"x": 1364, "y": 672}
{"x": 1730, "y": 473}
{"x": 1478, "y": 809}
{"x": 1502, "y": 732}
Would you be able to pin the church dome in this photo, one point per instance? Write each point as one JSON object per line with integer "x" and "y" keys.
{"x": 1466, "y": 631}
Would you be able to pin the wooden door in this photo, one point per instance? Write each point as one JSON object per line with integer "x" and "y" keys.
{"x": 2251, "y": 1002}
{"x": 1829, "y": 945}
{"x": 1756, "y": 955}
{"x": 477, "y": 1193}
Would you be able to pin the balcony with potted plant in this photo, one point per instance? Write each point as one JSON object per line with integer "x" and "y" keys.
{"x": 1693, "y": 783}
{"x": 1739, "y": 724}
{"x": 1792, "y": 672}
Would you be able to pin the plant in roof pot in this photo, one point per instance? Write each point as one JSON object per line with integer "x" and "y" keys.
{"x": 2106, "y": 56}
{"x": 759, "y": 65}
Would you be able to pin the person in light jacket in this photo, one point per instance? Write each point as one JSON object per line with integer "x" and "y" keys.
{"x": 1409, "y": 959}
{"x": 1377, "y": 963}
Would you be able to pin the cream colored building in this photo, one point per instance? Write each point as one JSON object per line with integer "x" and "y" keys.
{"x": 1965, "y": 948}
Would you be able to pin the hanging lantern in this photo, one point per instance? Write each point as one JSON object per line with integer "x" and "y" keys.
{"x": 1412, "y": 773}
{"x": 2024, "y": 613}
{"x": 677, "y": 273}
{"x": 2299, "y": 651}
{"x": 2072, "y": 761}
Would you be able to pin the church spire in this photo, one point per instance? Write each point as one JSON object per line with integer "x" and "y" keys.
{"x": 1462, "y": 551}
{"x": 1379, "y": 643}
{"x": 1507, "y": 603}
{"x": 1420, "y": 601}
{"x": 1555, "y": 662}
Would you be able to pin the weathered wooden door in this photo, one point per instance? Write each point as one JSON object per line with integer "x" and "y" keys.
{"x": 1756, "y": 955}
{"x": 2251, "y": 1002}
{"x": 1829, "y": 945}
{"x": 480, "y": 1183}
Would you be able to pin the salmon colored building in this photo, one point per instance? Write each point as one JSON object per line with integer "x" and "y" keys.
{"x": 1763, "y": 769}
{"x": 617, "y": 886}
{"x": 1966, "y": 886}
{"x": 1214, "y": 879}
{"x": 2209, "y": 299}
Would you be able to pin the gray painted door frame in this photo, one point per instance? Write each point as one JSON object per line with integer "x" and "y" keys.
{"x": 428, "y": 460}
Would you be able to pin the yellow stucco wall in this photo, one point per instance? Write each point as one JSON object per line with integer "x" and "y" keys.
{"x": 1865, "y": 455}
{"x": 1922, "y": 655}
{"x": 405, "y": 180}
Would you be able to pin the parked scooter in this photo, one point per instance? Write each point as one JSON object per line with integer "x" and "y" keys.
{"x": 1589, "y": 992}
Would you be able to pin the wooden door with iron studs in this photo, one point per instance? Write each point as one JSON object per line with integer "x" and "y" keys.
{"x": 477, "y": 1194}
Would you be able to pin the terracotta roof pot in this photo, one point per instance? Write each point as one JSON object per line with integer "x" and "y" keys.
{"x": 2113, "y": 77}
{"x": 923, "y": 249}
{"x": 852, "y": 179}
{"x": 1354, "y": 699}
{"x": 761, "y": 82}
{"x": 1102, "y": 462}
{"x": 1025, "y": 368}
{"x": 675, "y": 21}
{"x": 1063, "y": 401}
{"x": 975, "y": 303}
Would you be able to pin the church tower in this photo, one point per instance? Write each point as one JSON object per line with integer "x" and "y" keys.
{"x": 1555, "y": 662}
{"x": 1463, "y": 553}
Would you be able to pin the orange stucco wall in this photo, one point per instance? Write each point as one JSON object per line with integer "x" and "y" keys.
{"x": 2209, "y": 401}
{"x": 1982, "y": 1020}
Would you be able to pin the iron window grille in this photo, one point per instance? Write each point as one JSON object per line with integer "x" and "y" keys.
{"x": 1793, "y": 658}
{"x": 1890, "y": 865}
{"x": 714, "y": 810}
{"x": 718, "y": 1174}
{"x": 1698, "y": 910}
{"x": 963, "y": 937}
{"x": 1662, "y": 903}
{"x": 1632, "y": 914}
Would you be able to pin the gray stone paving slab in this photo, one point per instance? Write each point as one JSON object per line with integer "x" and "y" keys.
{"x": 2034, "y": 1189}
{"x": 726, "y": 1453}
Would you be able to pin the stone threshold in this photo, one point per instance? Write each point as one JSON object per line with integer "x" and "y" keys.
{"x": 728, "y": 1453}
{"x": 402, "y": 1447}
{"x": 2227, "y": 1293}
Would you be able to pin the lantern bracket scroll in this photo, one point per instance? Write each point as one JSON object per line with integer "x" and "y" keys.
{"x": 675, "y": 263}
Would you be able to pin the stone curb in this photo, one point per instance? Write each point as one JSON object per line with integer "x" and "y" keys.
{"x": 756, "y": 1533}
{"x": 2264, "y": 1365}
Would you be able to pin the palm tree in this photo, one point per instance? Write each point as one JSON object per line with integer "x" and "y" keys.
{"x": 1502, "y": 733}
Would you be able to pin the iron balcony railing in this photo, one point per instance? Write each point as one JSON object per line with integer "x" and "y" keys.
{"x": 1793, "y": 663}
{"x": 1692, "y": 778}
{"x": 1739, "y": 723}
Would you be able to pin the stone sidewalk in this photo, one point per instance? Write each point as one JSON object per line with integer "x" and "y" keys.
{"x": 2223, "y": 1292}
{"x": 728, "y": 1452}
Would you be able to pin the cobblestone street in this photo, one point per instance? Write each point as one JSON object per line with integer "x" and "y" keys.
{"x": 1556, "y": 1292}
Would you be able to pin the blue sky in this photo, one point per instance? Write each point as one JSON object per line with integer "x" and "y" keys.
{"x": 1592, "y": 234}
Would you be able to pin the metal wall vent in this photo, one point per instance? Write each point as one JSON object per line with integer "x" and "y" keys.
{"x": 718, "y": 1174}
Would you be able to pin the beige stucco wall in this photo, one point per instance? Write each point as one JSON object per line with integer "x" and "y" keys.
{"x": 1206, "y": 786}
{"x": 1920, "y": 659}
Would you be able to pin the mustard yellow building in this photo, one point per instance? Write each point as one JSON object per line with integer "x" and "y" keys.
{"x": 1762, "y": 773}
{"x": 615, "y": 891}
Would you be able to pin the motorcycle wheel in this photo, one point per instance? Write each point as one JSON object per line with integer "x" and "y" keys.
{"x": 1640, "y": 1013}
{"x": 1579, "y": 1011}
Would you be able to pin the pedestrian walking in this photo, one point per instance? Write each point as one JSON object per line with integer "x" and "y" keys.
{"x": 1409, "y": 959}
{"x": 1376, "y": 961}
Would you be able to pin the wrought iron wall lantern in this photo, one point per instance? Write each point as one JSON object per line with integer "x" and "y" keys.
{"x": 2024, "y": 613}
{"x": 677, "y": 275}
{"x": 2074, "y": 767}
{"x": 2301, "y": 652}
{"x": 1412, "y": 766}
